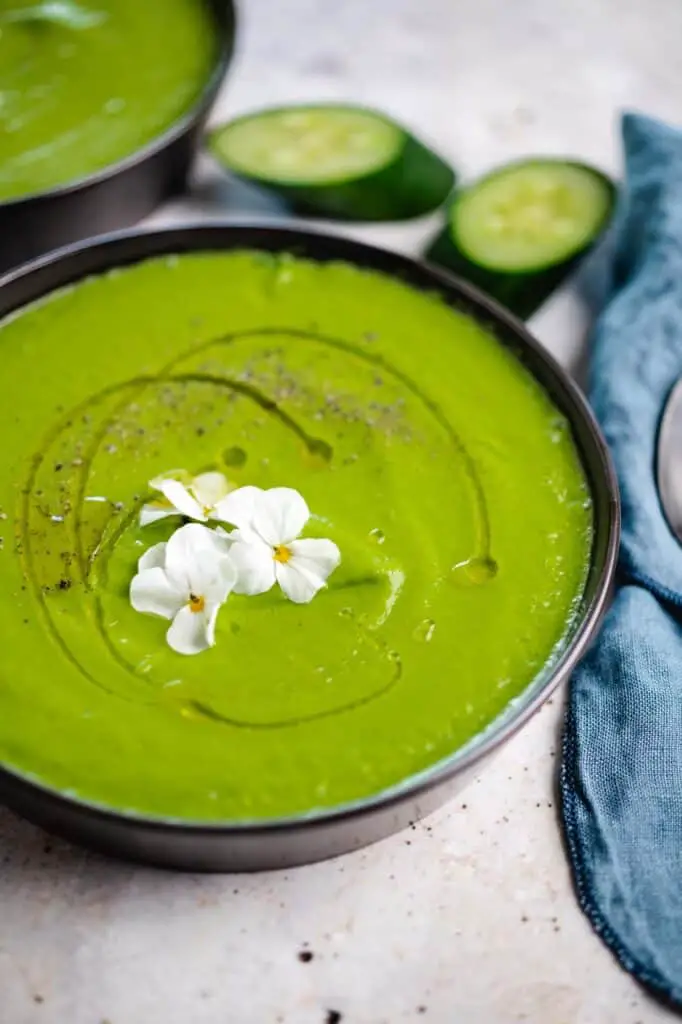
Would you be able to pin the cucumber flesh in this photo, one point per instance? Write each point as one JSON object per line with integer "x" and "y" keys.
{"x": 531, "y": 215}
{"x": 342, "y": 162}
{"x": 519, "y": 232}
{"x": 312, "y": 145}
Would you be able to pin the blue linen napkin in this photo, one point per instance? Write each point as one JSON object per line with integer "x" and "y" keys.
{"x": 621, "y": 774}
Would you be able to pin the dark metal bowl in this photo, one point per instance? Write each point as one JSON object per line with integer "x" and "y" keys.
{"x": 124, "y": 192}
{"x": 218, "y": 847}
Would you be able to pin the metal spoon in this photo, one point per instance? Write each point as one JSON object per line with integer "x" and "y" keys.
{"x": 669, "y": 460}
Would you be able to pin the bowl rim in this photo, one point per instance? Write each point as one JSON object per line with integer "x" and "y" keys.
{"x": 226, "y": 35}
{"x": 229, "y": 234}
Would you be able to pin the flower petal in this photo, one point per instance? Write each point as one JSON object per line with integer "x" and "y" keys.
{"x": 153, "y": 558}
{"x": 213, "y": 576}
{"x": 227, "y": 538}
{"x": 184, "y": 550}
{"x": 255, "y": 565}
{"x": 238, "y": 507}
{"x": 172, "y": 474}
{"x": 218, "y": 541}
{"x": 211, "y": 615}
{"x": 156, "y": 510}
{"x": 190, "y": 632}
{"x": 280, "y": 514}
{"x": 298, "y": 583}
{"x": 178, "y": 495}
{"x": 209, "y": 488}
{"x": 151, "y": 591}
{"x": 318, "y": 556}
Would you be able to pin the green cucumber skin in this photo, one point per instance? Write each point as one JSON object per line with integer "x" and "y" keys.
{"x": 416, "y": 182}
{"x": 522, "y": 292}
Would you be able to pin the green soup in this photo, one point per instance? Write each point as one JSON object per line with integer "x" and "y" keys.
{"x": 85, "y": 84}
{"x": 429, "y": 455}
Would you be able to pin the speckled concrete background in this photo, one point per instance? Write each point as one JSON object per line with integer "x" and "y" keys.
{"x": 469, "y": 918}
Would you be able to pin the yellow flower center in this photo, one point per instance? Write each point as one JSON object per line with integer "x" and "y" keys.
{"x": 281, "y": 553}
{"x": 196, "y": 603}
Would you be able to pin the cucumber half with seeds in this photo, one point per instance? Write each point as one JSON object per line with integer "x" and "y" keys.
{"x": 344, "y": 162}
{"x": 519, "y": 231}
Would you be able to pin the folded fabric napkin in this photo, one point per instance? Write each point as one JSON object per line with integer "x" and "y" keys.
{"x": 621, "y": 776}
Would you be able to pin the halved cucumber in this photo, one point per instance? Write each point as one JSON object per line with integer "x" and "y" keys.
{"x": 518, "y": 232}
{"x": 336, "y": 161}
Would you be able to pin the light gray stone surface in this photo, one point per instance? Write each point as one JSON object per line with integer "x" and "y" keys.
{"x": 469, "y": 918}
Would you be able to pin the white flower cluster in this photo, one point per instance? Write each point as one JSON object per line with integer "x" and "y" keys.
{"x": 188, "y": 578}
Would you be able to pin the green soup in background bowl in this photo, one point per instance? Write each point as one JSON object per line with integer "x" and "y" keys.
{"x": 85, "y": 84}
{"x": 102, "y": 103}
{"x": 455, "y": 466}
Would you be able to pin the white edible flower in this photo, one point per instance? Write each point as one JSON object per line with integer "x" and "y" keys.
{"x": 196, "y": 497}
{"x": 265, "y": 548}
{"x": 187, "y": 580}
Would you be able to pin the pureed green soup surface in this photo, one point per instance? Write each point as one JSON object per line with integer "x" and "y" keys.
{"x": 85, "y": 83}
{"x": 424, "y": 450}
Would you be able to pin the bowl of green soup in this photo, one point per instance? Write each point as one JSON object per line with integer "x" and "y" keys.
{"x": 455, "y": 467}
{"x": 102, "y": 104}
